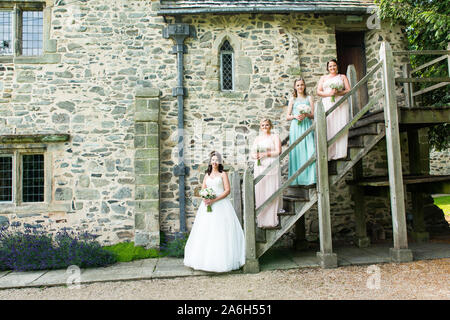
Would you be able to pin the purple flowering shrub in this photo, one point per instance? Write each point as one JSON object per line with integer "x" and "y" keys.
{"x": 33, "y": 249}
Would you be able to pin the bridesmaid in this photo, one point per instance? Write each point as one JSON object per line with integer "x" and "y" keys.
{"x": 265, "y": 150}
{"x": 339, "y": 117}
{"x": 301, "y": 111}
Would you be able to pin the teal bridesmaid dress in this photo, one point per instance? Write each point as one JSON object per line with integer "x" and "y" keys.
{"x": 302, "y": 151}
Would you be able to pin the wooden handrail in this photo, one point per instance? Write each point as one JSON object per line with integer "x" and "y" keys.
{"x": 286, "y": 184}
{"x": 431, "y": 88}
{"x": 355, "y": 88}
{"x": 362, "y": 112}
{"x": 429, "y": 63}
{"x": 422, "y": 52}
{"x": 285, "y": 153}
{"x": 422, "y": 80}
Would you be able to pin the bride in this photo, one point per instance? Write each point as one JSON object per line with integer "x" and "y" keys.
{"x": 216, "y": 242}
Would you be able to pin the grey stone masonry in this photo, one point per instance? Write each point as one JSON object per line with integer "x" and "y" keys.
{"x": 146, "y": 163}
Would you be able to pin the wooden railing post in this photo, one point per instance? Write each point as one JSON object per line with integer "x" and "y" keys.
{"x": 409, "y": 99}
{"x": 235, "y": 179}
{"x": 448, "y": 59}
{"x": 251, "y": 261}
{"x": 354, "y": 99}
{"x": 326, "y": 257}
{"x": 400, "y": 252}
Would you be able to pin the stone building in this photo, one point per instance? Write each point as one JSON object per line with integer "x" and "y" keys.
{"x": 92, "y": 104}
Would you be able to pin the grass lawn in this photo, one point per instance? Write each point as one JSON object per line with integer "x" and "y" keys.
{"x": 443, "y": 203}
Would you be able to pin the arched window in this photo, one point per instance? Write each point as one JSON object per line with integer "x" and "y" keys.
{"x": 226, "y": 67}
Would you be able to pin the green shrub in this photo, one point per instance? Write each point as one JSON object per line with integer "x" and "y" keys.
{"x": 126, "y": 251}
{"x": 174, "y": 246}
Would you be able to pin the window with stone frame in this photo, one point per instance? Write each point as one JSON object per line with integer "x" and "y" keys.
{"x": 22, "y": 177}
{"x": 21, "y": 28}
{"x": 226, "y": 67}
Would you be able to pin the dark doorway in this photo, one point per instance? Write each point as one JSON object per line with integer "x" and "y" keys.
{"x": 351, "y": 50}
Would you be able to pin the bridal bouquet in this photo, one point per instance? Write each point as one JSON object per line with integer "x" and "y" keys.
{"x": 258, "y": 150}
{"x": 336, "y": 86}
{"x": 208, "y": 193}
{"x": 303, "y": 109}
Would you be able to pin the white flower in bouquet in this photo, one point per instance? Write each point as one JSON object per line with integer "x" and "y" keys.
{"x": 337, "y": 86}
{"x": 259, "y": 150}
{"x": 303, "y": 108}
{"x": 208, "y": 193}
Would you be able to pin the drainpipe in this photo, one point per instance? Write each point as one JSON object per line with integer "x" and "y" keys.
{"x": 178, "y": 32}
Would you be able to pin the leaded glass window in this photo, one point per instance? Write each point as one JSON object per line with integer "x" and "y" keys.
{"x": 226, "y": 66}
{"x": 33, "y": 178}
{"x": 6, "y": 178}
{"x": 6, "y": 33}
{"x": 21, "y": 32}
{"x": 32, "y": 32}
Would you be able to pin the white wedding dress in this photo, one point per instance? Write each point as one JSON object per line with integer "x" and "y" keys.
{"x": 216, "y": 242}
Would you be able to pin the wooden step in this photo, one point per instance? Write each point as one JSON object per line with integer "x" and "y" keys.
{"x": 334, "y": 166}
{"x": 261, "y": 232}
{"x": 355, "y": 142}
{"x": 296, "y": 193}
{"x": 369, "y": 129}
{"x": 286, "y": 222}
{"x": 369, "y": 118}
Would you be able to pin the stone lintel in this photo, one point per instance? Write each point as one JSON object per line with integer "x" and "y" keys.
{"x": 47, "y": 58}
{"x": 147, "y": 92}
{"x": 34, "y": 138}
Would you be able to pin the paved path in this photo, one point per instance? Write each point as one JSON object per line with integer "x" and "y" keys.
{"x": 276, "y": 259}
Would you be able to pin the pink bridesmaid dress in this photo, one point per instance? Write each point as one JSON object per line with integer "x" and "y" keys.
{"x": 336, "y": 120}
{"x": 267, "y": 218}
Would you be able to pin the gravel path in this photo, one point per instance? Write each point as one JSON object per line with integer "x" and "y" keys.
{"x": 425, "y": 279}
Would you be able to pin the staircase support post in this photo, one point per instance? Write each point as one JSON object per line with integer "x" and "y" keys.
{"x": 400, "y": 252}
{"x": 326, "y": 257}
{"x": 361, "y": 239}
{"x": 251, "y": 260}
{"x": 419, "y": 164}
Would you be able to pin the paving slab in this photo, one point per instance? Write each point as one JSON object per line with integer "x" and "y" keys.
{"x": 305, "y": 259}
{"x": 277, "y": 260}
{"x": 359, "y": 256}
{"x": 427, "y": 251}
{"x": 19, "y": 279}
{"x": 380, "y": 251}
{"x": 171, "y": 267}
{"x": 134, "y": 270}
{"x": 4, "y": 273}
{"x": 51, "y": 278}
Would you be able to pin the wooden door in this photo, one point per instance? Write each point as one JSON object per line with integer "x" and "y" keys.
{"x": 351, "y": 50}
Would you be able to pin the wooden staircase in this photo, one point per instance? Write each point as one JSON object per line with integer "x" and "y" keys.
{"x": 365, "y": 130}
{"x": 299, "y": 199}
{"x": 362, "y": 139}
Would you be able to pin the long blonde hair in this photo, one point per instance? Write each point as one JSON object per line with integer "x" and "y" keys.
{"x": 295, "y": 90}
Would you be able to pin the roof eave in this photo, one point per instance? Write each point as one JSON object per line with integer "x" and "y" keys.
{"x": 227, "y": 10}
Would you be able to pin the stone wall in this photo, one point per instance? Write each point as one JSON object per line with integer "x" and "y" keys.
{"x": 108, "y": 50}
{"x": 106, "y": 175}
{"x": 440, "y": 162}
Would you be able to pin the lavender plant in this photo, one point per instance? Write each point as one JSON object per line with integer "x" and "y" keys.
{"x": 33, "y": 249}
